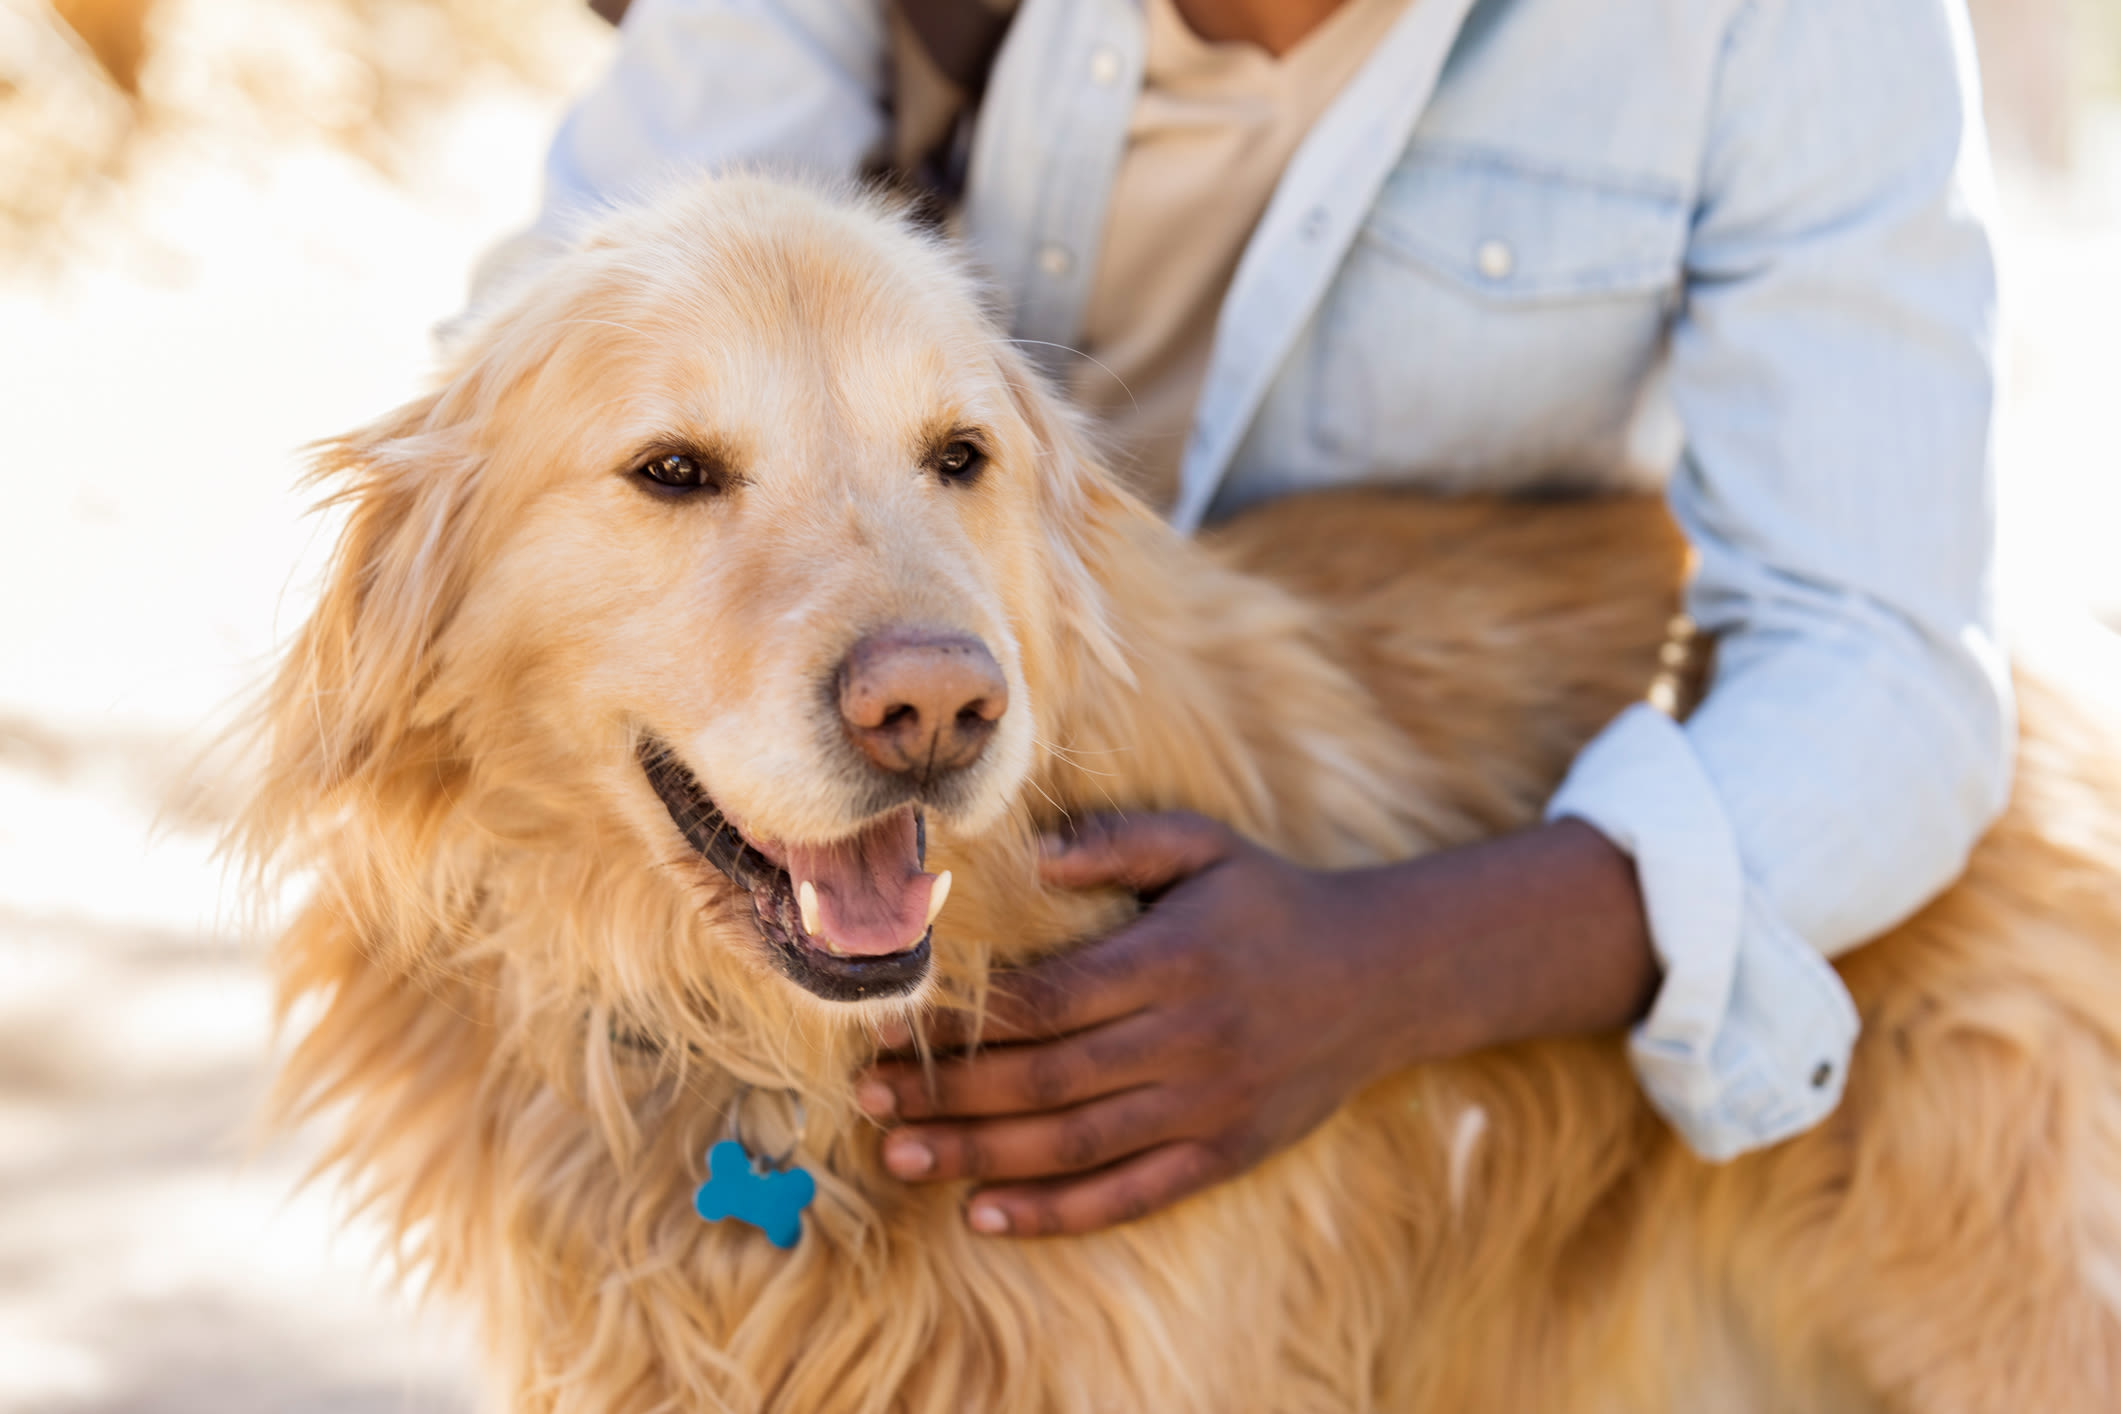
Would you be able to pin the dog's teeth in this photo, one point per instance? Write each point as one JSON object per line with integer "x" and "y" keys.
{"x": 806, "y": 900}
{"x": 936, "y": 894}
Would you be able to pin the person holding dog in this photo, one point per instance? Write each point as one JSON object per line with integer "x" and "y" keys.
{"x": 1468, "y": 245}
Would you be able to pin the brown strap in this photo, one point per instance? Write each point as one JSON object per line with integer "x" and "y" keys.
{"x": 961, "y": 36}
{"x": 942, "y": 52}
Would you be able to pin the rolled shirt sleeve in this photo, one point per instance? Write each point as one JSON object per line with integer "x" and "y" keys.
{"x": 1833, "y": 368}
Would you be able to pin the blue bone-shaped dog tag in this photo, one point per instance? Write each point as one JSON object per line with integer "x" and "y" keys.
{"x": 772, "y": 1202}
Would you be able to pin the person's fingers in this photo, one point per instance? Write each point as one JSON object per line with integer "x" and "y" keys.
{"x": 1107, "y": 979}
{"x": 1143, "y": 853}
{"x": 1023, "y": 1079}
{"x": 1144, "y": 1183}
{"x": 1103, "y": 981}
{"x": 1035, "y": 1146}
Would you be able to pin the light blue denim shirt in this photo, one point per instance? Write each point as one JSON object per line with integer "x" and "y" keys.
{"x": 1523, "y": 229}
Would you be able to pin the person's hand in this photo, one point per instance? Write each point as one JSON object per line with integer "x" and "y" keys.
{"x": 1245, "y": 1004}
{"x": 1225, "y": 1022}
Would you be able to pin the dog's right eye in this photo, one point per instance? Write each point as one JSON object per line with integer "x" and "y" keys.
{"x": 680, "y": 471}
{"x": 960, "y": 462}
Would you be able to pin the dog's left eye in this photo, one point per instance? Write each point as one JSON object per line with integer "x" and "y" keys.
{"x": 676, "y": 471}
{"x": 959, "y": 461}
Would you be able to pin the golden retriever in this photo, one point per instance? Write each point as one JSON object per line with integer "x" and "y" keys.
{"x": 586, "y": 683}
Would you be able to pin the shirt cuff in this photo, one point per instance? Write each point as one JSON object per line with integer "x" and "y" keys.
{"x": 1748, "y": 1040}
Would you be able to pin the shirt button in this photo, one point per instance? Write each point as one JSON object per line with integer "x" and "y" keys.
{"x": 1104, "y": 67}
{"x": 1495, "y": 260}
{"x": 1316, "y": 220}
{"x": 1055, "y": 260}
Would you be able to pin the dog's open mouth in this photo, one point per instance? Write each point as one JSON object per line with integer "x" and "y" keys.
{"x": 848, "y": 921}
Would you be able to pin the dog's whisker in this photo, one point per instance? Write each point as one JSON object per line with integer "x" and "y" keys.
{"x": 607, "y": 323}
{"x": 788, "y": 1040}
{"x": 1096, "y": 778}
{"x": 1062, "y": 809}
{"x": 1092, "y": 750}
{"x": 1087, "y": 358}
{"x": 1064, "y": 755}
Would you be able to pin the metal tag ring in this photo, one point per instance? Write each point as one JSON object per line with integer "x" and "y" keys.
{"x": 736, "y": 1129}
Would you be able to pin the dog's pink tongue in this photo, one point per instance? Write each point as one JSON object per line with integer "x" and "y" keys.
{"x": 872, "y": 897}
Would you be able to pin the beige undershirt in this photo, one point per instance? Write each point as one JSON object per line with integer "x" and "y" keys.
{"x": 1212, "y": 130}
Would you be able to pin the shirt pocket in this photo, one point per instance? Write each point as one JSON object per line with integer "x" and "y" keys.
{"x": 1495, "y": 321}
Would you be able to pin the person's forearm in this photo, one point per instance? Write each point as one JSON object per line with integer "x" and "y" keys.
{"x": 1536, "y": 934}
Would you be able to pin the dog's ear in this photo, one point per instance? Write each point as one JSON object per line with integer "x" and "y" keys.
{"x": 354, "y": 685}
{"x": 1081, "y": 507}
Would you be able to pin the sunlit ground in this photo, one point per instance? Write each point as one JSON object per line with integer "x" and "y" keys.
{"x": 243, "y": 299}
{"x": 152, "y": 551}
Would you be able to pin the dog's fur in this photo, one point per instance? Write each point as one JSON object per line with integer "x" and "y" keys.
{"x": 528, "y": 1005}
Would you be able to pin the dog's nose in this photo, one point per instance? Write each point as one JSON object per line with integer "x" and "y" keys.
{"x": 921, "y": 703}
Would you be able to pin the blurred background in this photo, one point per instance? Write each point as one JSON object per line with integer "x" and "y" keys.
{"x": 226, "y": 229}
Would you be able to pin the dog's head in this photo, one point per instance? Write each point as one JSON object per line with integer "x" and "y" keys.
{"x": 739, "y": 525}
